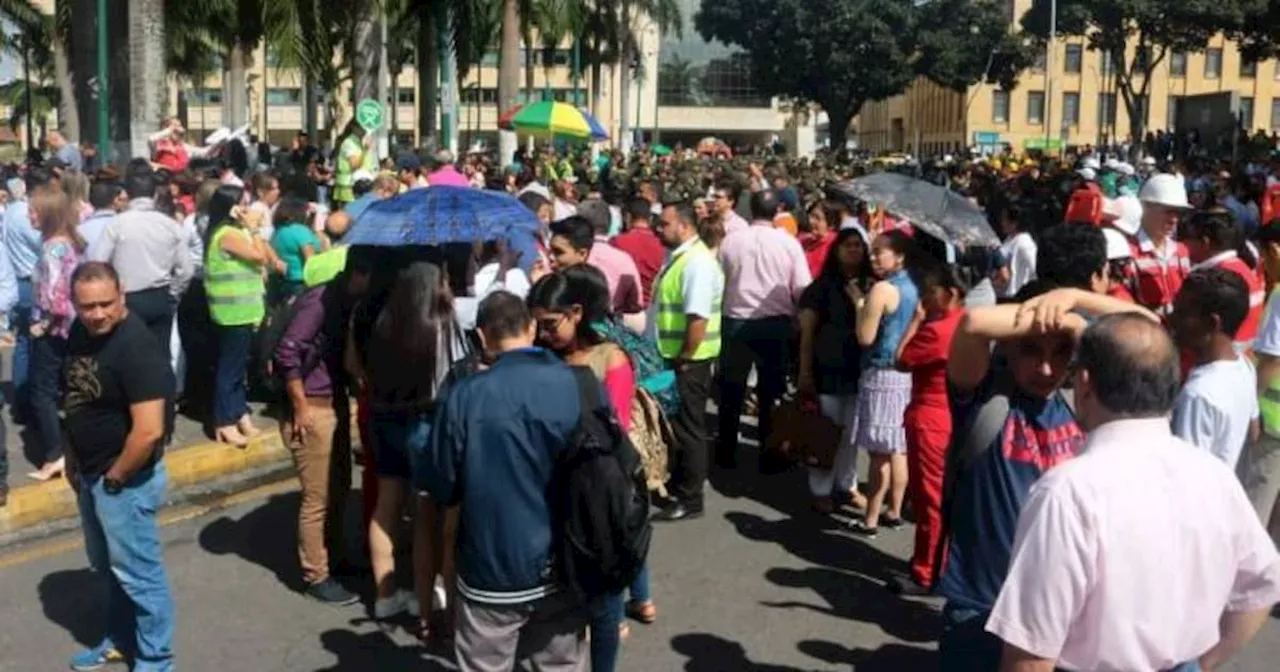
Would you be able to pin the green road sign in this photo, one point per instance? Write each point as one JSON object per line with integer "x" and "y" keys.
{"x": 369, "y": 114}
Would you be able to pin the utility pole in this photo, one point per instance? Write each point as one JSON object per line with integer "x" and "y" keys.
{"x": 26, "y": 73}
{"x": 104, "y": 106}
{"x": 383, "y": 141}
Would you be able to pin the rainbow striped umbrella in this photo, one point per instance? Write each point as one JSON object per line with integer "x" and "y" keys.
{"x": 550, "y": 119}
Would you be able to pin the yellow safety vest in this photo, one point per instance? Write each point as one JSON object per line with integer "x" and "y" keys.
{"x": 1269, "y": 402}
{"x": 344, "y": 180}
{"x": 323, "y": 267}
{"x": 234, "y": 286}
{"x": 672, "y": 322}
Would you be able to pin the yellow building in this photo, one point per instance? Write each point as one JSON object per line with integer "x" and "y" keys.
{"x": 1075, "y": 104}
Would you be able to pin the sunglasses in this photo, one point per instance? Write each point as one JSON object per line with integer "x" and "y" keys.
{"x": 550, "y": 325}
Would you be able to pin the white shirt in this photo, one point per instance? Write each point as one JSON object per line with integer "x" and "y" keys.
{"x": 1216, "y": 406}
{"x": 1127, "y": 556}
{"x": 486, "y": 283}
{"x": 1020, "y": 250}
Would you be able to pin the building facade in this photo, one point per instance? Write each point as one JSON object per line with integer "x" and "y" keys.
{"x": 1076, "y": 103}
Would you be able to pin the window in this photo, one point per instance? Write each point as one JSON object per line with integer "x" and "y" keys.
{"x": 1248, "y": 67}
{"x": 691, "y": 78}
{"x": 1000, "y": 107}
{"x": 405, "y": 96}
{"x": 1171, "y": 115}
{"x": 283, "y": 97}
{"x": 1074, "y": 58}
{"x": 1071, "y": 108}
{"x": 1178, "y": 64}
{"x": 1275, "y": 114}
{"x": 1108, "y": 64}
{"x": 206, "y": 97}
{"x": 1213, "y": 63}
{"x": 1106, "y": 109}
{"x": 472, "y": 95}
{"x": 1041, "y": 61}
{"x": 1246, "y": 113}
{"x": 1035, "y": 107}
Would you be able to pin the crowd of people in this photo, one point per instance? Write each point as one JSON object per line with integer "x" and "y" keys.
{"x": 1079, "y": 421}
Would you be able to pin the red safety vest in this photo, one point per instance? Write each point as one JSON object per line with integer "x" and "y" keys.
{"x": 1257, "y": 299}
{"x": 1085, "y": 205}
{"x": 1159, "y": 279}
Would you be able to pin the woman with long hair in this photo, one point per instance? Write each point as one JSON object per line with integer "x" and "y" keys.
{"x": 235, "y": 256}
{"x": 569, "y": 307}
{"x": 830, "y": 361}
{"x": 412, "y": 341}
{"x": 883, "y": 391}
{"x": 52, "y": 315}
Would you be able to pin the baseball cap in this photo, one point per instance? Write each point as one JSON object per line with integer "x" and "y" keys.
{"x": 408, "y": 161}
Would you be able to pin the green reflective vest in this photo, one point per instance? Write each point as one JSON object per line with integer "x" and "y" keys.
{"x": 234, "y": 286}
{"x": 1269, "y": 402}
{"x": 672, "y": 322}
{"x": 344, "y": 179}
{"x": 323, "y": 267}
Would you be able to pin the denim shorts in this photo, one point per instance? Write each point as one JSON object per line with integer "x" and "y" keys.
{"x": 399, "y": 440}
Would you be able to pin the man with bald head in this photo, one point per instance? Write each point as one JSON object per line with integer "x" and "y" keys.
{"x": 1143, "y": 552}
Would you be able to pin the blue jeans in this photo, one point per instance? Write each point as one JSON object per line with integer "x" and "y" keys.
{"x": 20, "y": 322}
{"x": 607, "y": 614}
{"x": 122, "y": 541}
{"x": 231, "y": 400}
{"x": 43, "y": 383}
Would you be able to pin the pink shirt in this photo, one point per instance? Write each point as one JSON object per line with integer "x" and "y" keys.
{"x": 448, "y": 176}
{"x": 620, "y": 272}
{"x": 764, "y": 272}
{"x": 733, "y": 223}
{"x": 1127, "y": 556}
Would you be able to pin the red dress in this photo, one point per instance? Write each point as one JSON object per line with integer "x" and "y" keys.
{"x": 928, "y": 425}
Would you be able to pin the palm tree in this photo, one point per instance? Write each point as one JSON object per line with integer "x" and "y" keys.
{"x": 305, "y": 35}
{"x": 365, "y": 44}
{"x": 147, "y": 72}
{"x": 60, "y": 29}
{"x": 666, "y": 14}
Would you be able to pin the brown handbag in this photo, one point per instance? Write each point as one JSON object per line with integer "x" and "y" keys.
{"x": 803, "y": 434}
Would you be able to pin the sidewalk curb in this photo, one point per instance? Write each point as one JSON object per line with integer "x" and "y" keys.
{"x": 40, "y": 504}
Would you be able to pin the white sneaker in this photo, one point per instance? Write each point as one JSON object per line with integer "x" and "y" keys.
{"x": 401, "y": 602}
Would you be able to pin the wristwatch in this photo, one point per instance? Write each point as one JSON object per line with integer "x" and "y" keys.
{"x": 112, "y": 486}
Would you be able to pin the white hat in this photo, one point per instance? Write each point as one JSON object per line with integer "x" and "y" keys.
{"x": 1148, "y": 160}
{"x": 1091, "y": 162}
{"x": 1112, "y": 165}
{"x": 361, "y": 175}
{"x": 1087, "y": 173}
{"x": 1165, "y": 189}
{"x": 852, "y": 223}
{"x": 537, "y": 188}
{"x": 1117, "y": 244}
{"x": 1126, "y": 169}
{"x": 1125, "y": 213}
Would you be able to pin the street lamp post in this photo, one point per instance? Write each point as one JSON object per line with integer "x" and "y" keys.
{"x": 104, "y": 106}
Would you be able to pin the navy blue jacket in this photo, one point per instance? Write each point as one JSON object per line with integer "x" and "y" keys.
{"x": 497, "y": 436}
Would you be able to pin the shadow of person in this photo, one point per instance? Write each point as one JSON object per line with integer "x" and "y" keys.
{"x": 858, "y": 598}
{"x": 266, "y": 536}
{"x": 818, "y": 540}
{"x": 709, "y": 653}
{"x": 887, "y": 658}
{"x": 376, "y": 650}
{"x": 77, "y": 601}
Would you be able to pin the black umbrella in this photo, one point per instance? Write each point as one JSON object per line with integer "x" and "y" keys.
{"x": 935, "y": 210}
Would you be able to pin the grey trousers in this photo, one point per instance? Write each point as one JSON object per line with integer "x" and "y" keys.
{"x": 1260, "y": 473}
{"x": 550, "y": 634}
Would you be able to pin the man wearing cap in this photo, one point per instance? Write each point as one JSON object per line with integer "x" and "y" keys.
{"x": 1162, "y": 262}
{"x": 409, "y": 171}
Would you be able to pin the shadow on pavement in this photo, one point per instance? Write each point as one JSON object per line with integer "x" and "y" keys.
{"x": 266, "y": 536}
{"x": 76, "y": 600}
{"x": 817, "y": 543}
{"x": 857, "y": 598}
{"x": 709, "y": 653}
{"x": 890, "y": 657}
{"x": 359, "y": 652}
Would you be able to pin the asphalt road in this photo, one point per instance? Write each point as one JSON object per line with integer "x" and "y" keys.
{"x": 758, "y": 585}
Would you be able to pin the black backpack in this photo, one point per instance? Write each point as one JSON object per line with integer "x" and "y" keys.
{"x": 601, "y": 501}
{"x": 265, "y": 380}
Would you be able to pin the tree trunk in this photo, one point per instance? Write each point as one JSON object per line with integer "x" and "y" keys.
{"x": 235, "y": 96}
{"x": 597, "y": 91}
{"x": 84, "y": 57}
{"x": 530, "y": 67}
{"x": 838, "y": 121}
{"x": 147, "y": 72}
{"x": 508, "y": 76}
{"x": 366, "y": 54}
{"x": 428, "y": 55}
{"x": 309, "y": 104}
{"x": 68, "y": 111}
{"x": 624, "y": 98}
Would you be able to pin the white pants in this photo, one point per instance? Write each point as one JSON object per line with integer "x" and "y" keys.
{"x": 843, "y": 476}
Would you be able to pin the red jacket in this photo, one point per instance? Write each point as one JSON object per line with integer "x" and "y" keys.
{"x": 1159, "y": 278}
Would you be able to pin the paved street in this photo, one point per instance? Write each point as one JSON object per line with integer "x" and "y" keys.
{"x": 758, "y": 585}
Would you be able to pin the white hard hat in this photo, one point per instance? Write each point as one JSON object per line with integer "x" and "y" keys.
{"x": 1125, "y": 169}
{"x": 1092, "y": 163}
{"x": 361, "y": 176}
{"x": 1165, "y": 189}
{"x": 1117, "y": 244}
{"x": 1125, "y": 213}
{"x": 1149, "y": 161}
{"x": 1087, "y": 173}
{"x": 1112, "y": 165}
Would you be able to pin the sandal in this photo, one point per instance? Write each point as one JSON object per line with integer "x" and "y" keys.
{"x": 891, "y": 522}
{"x": 861, "y": 528}
{"x": 645, "y": 612}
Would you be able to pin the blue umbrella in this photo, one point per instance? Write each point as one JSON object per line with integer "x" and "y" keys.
{"x": 441, "y": 215}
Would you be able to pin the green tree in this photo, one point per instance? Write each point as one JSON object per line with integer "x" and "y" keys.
{"x": 962, "y": 42}
{"x": 1156, "y": 27}
{"x": 839, "y": 54}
